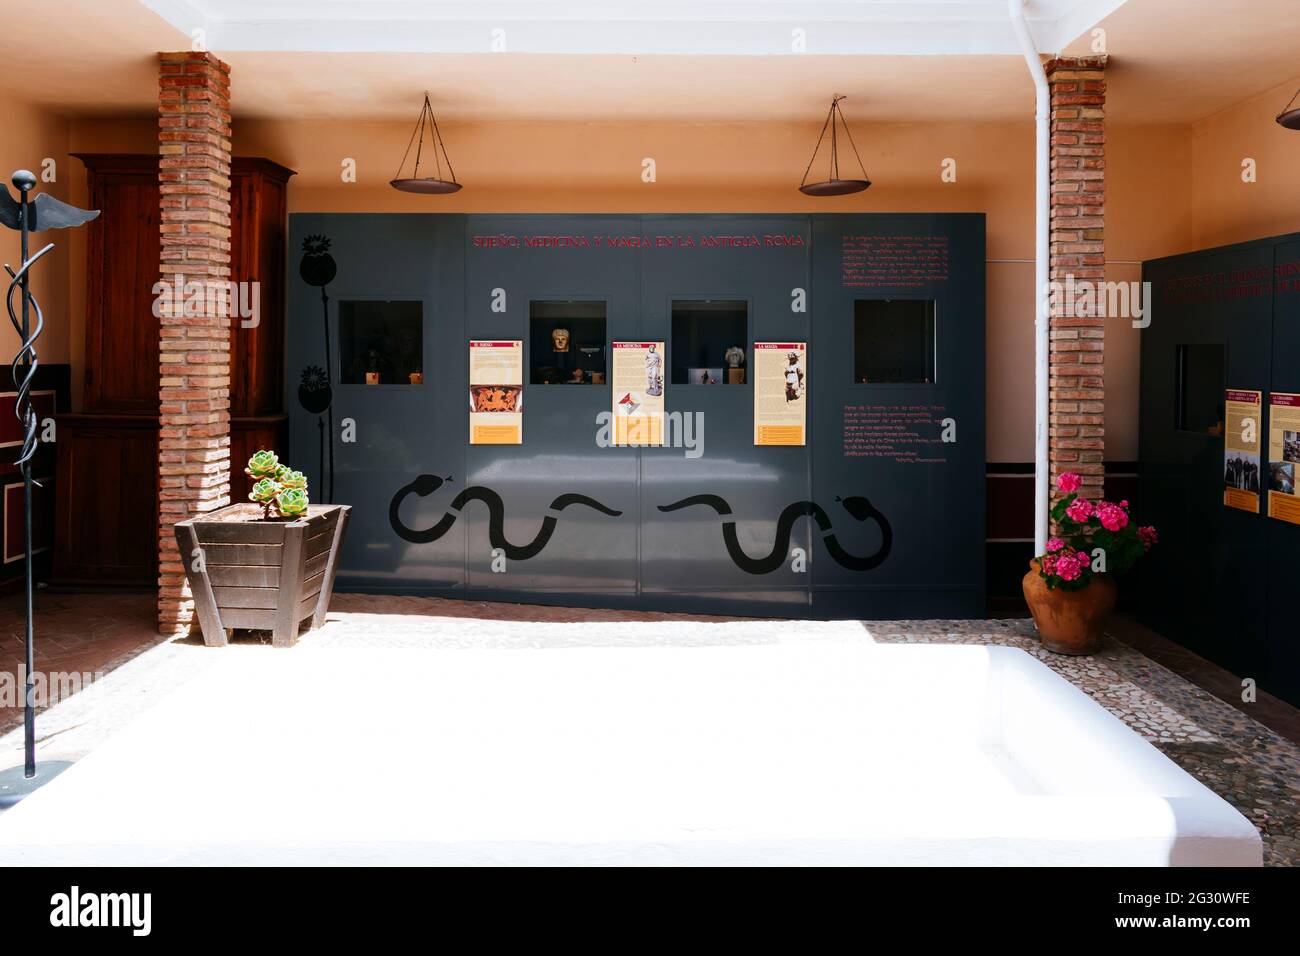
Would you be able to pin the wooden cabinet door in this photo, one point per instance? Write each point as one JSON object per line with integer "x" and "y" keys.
{"x": 106, "y": 525}
{"x": 257, "y": 255}
{"x": 122, "y": 266}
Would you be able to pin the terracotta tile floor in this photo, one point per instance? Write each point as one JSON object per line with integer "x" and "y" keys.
{"x": 78, "y": 633}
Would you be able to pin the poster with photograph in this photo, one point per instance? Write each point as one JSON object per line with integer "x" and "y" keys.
{"x": 1283, "y": 456}
{"x": 1242, "y": 441}
{"x": 638, "y": 393}
{"x": 780, "y": 393}
{"x": 496, "y": 392}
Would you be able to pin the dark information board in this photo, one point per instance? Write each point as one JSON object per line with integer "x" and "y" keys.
{"x": 879, "y": 514}
{"x": 1222, "y": 580}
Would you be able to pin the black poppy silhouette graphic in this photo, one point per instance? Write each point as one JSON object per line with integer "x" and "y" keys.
{"x": 859, "y": 508}
{"x": 318, "y": 267}
{"x": 425, "y": 485}
{"x": 318, "y": 270}
{"x": 314, "y": 392}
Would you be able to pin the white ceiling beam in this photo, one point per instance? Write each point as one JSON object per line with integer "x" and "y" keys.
{"x": 669, "y": 27}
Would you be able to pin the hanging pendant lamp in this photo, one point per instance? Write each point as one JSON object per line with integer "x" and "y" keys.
{"x": 833, "y": 185}
{"x": 1289, "y": 117}
{"x": 416, "y": 183}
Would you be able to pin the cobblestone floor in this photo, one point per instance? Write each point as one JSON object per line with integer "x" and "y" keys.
{"x": 1254, "y": 768}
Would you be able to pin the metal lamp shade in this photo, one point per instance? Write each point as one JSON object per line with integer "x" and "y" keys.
{"x": 435, "y": 185}
{"x": 1289, "y": 118}
{"x": 835, "y": 187}
{"x": 429, "y": 185}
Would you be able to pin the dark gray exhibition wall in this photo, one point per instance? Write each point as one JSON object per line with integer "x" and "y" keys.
{"x": 1222, "y": 581}
{"x": 880, "y": 515}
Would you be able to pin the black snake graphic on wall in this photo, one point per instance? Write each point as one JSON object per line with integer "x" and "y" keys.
{"x": 426, "y": 485}
{"x": 859, "y": 507}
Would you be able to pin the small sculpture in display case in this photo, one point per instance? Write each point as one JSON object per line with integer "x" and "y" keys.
{"x": 735, "y": 359}
{"x": 560, "y": 340}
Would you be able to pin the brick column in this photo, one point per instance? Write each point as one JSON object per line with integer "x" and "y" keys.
{"x": 194, "y": 359}
{"x": 1077, "y": 355}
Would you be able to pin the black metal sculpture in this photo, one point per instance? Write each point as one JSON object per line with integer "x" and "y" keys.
{"x": 28, "y": 216}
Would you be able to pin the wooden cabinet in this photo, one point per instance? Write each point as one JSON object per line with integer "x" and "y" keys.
{"x": 106, "y": 516}
{"x": 258, "y": 233}
{"x": 106, "y": 527}
{"x": 122, "y": 254}
{"x": 258, "y": 237}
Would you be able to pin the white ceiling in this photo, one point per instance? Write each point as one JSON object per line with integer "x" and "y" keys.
{"x": 1172, "y": 61}
{"x": 664, "y": 27}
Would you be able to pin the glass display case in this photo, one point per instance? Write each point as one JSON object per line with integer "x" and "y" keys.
{"x": 566, "y": 342}
{"x": 710, "y": 341}
{"x": 893, "y": 341}
{"x": 381, "y": 342}
{"x": 1199, "y": 378}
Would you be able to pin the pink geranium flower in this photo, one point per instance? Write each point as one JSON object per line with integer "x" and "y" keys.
{"x": 1148, "y": 537}
{"x": 1068, "y": 482}
{"x": 1080, "y": 510}
{"x": 1084, "y": 559}
{"x": 1067, "y": 569}
{"x": 1112, "y": 517}
{"x": 1048, "y": 562}
{"x": 1054, "y": 545}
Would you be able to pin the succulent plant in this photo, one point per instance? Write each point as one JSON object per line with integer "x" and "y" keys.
{"x": 295, "y": 480}
{"x": 263, "y": 464}
{"x": 264, "y": 491}
{"x": 291, "y": 502}
{"x": 279, "y": 489}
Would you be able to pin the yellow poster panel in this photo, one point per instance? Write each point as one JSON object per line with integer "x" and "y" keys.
{"x": 1283, "y": 456}
{"x": 496, "y": 392}
{"x": 780, "y": 393}
{"x": 637, "y": 381}
{"x": 1242, "y": 440}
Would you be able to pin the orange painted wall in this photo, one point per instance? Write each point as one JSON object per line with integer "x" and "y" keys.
{"x": 30, "y": 138}
{"x": 1226, "y": 209}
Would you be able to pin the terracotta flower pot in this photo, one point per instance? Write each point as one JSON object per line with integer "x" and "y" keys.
{"x": 1070, "y": 622}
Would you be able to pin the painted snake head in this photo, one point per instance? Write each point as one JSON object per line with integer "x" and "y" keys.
{"x": 425, "y": 485}
{"x": 859, "y": 507}
{"x": 421, "y": 487}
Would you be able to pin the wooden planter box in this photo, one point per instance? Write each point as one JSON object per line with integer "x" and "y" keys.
{"x": 261, "y": 575}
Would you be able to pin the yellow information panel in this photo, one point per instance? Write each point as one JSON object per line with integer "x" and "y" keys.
{"x": 496, "y": 392}
{"x": 780, "y": 393}
{"x": 1283, "y": 456}
{"x": 638, "y": 393}
{"x": 1241, "y": 448}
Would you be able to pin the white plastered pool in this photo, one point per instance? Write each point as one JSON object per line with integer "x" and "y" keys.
{"x": 839, "y": 752}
